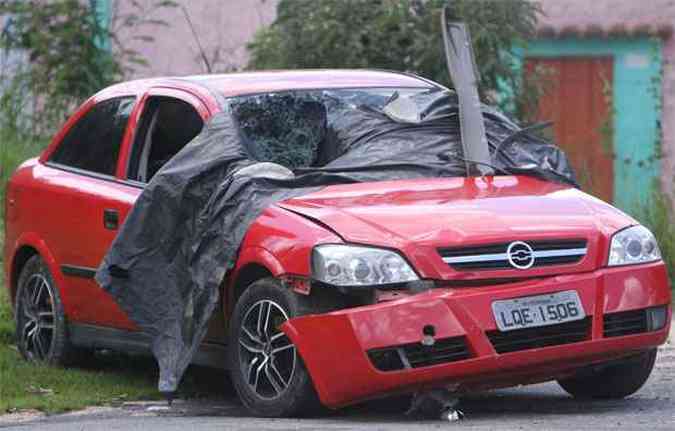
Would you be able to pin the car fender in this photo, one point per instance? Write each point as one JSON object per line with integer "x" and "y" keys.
{"x": 35, "y": 241}
{"x": 281, "y": 242}
{"x": 259, "y": 256}
{"x": 249, "y": 255}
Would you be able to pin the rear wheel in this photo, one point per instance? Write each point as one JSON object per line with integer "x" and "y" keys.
{"x": 41, "y": 331}
{"x": 266, "y": 369}
{"x": 616, "y": 380}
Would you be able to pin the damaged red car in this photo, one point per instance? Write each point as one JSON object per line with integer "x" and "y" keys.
{"x": 400, "y": 281}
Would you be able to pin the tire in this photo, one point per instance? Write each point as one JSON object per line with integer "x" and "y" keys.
{"x": 283, "y": 387}
{"x": 41, "y": 329}
{"x": 616, "y": 380}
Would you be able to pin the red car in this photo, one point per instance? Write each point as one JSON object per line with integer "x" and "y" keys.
{"x": 472, "y": 282}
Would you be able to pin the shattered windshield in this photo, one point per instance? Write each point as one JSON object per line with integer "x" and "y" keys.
{"x": 297, "y": 129}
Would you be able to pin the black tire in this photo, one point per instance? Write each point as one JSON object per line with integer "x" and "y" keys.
{"x": 298, "y": 397}
{"x": 41, "y": 329}
{"x": 616, "y": 380}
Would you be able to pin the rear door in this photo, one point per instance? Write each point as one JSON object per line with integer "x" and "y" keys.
{"x": 83, "y": 203}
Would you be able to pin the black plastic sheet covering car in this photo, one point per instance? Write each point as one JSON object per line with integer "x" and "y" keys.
{"x": 182, "y": 236}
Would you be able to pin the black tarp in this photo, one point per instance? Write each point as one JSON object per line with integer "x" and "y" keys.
{"x": 182, "y": 235}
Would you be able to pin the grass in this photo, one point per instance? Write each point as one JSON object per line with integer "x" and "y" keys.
{"x": 53, "y": 390}
{"x": 6, "y": 317}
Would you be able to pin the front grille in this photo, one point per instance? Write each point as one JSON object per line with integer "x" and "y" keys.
{"x": 494, "y": 256}
{"x": 545, "y": 336}
{"x": 417, "y": 355}
{"x": 625, "y": 323}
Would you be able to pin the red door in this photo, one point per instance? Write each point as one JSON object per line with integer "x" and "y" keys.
{"x": 578, "y": 101}
{"x": 75, "y": 226}
{"x": 79, "y": 205}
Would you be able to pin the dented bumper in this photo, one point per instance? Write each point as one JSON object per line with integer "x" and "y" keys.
{"x": 352, "y": 354}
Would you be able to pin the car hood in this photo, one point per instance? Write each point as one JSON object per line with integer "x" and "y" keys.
{"x": 420, "y": 216}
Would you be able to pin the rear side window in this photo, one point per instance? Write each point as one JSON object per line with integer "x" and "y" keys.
{"x": 93, "y": 143}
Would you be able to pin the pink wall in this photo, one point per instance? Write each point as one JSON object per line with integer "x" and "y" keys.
{"x": 223, "y": 27}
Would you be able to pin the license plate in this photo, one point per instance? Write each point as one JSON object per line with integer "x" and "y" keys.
{"x": 540, "y": 310}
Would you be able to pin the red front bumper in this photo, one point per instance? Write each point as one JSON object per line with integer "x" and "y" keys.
{"x": 334, "y": 346}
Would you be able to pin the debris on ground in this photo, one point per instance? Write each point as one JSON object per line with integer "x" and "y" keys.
{"x": 437, "y": 403}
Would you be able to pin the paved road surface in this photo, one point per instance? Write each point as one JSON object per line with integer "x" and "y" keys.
{"x": 537, "y": 408}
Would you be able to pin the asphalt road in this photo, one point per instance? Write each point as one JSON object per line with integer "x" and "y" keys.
{"x": 537, "y": 407}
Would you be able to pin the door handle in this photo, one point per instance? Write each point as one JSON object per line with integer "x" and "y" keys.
{"x": 111, "y": 219}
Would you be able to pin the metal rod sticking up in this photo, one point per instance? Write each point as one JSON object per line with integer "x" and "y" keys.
{"x": 462, "y": 66}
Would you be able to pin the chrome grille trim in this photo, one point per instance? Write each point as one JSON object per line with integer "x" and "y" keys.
{"x": 515, "y": 254}
{"x": 497, "y": 257}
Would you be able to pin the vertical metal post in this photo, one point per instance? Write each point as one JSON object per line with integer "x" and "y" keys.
{"x": 102, "y": 10}
{"x": 462, "y": 66}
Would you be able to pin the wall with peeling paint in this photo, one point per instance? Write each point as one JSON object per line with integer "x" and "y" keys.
{"x": 634, "y": 19}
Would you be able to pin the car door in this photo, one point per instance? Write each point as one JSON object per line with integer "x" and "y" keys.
{"x": 83, "y": 203}
{"x": 169, "y": 120}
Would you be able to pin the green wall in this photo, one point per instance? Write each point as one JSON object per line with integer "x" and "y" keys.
{"x": 636, "y": 96}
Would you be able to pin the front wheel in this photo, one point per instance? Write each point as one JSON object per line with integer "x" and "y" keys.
{"x": 266, "y": 369}
{"x": 614, "y": 381}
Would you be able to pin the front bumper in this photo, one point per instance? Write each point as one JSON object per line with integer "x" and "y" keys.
{"x": 335, "y": 346}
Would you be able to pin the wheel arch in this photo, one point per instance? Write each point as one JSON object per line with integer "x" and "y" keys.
{"x": 254, "y": 263}
{"x": 29, "y": 245}
{"x": 21, "y": 257}
{"x": 249, "y": 274}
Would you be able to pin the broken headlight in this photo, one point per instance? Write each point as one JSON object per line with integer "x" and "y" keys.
{"x": 347, "y": 265}
{"x": 633, "y": 245}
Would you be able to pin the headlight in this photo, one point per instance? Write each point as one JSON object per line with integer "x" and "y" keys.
{"x": 633, "y": 245}
{"x": 346, "y": 265}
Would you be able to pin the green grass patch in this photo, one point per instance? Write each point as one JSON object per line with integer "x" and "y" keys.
{"x": 6, "y": 317}
{"x": 28, "y": 386}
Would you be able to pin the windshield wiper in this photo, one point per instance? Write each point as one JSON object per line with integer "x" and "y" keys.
{"x": 512, "y": 137}
{"x": 447, "y": 156}
{"x": 514, "y": 170}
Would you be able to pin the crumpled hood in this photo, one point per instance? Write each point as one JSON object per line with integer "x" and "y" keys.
{"x": 420, "y": 216}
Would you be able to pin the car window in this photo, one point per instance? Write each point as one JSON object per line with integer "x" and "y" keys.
{"x": 93, "y": 143}
{"x": 285, "y": 129}
{"x": 166, "y": 126}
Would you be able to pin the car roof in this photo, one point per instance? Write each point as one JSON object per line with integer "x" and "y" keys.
{"x": 257, "y": 82}
{"x": 236, "y": 84}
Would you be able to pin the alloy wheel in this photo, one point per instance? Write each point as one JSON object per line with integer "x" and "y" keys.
{"x": 36, "y": 318}
{"x": 267, "y": 357}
